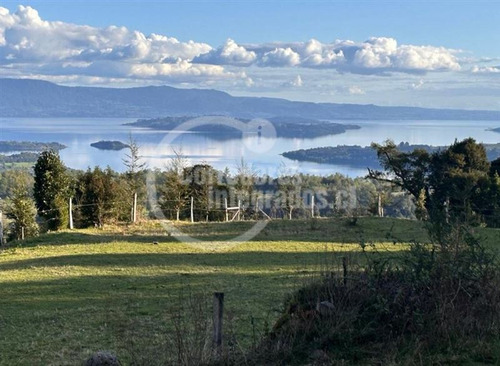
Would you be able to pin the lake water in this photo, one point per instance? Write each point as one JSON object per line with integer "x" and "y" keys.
{"x": 261, "y": 153}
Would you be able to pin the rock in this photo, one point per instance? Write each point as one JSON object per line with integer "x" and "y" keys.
{"x": 103, "y": 358}
{"x": 155, "y": 243}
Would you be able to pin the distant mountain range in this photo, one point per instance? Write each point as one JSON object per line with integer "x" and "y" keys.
{"x": 35, "y": 98}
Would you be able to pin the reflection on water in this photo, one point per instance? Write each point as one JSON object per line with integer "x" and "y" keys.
{"x": 79, "y": 133}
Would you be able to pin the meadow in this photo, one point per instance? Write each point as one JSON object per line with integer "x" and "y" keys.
{"x": 68, "y": 294}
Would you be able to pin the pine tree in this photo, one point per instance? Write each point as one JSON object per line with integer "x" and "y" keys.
{"x": 174, "y": 193}
{"x": 52, "y": 190}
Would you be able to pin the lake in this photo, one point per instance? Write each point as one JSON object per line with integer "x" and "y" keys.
{"x": 261, "y": 153}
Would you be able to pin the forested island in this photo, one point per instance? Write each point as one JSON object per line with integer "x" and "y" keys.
{"x": 109, "y": 145}
{"x": 288, "y": 127}
{"x": 10, "y": 146}
{"x": 366, "y": 157}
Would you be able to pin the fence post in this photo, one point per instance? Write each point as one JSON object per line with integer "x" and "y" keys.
{"x": 227, "y": 213}
{"x": 218, "y": 314}
{"x": 134, "y": 208}
{"x": 344, "y": 267}
{"x": 239, "y": 210}
{"x": 71, "y": 213}
{"x": 379, "y": 205}
{"x": 192, "y": 209}
{"x": 22, "y": 233}
{"x": 312, "y": 205}
{"x": 1, "y": 228}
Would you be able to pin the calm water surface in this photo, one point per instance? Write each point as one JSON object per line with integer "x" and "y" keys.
{"x": 264, "y": 154}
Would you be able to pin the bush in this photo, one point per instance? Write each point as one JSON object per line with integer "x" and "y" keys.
{"x": 22, "y": 211}
{"x": 434, "y": 303}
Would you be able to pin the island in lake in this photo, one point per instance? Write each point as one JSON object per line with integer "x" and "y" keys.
{"x": 109, "y": 145}
{"x": 10, "y": 146}
{"x": 496, "y": 130}
{"x": 365, "y": 157}
{"x": 24, "y": 153}
{"x": 287, "y": 127}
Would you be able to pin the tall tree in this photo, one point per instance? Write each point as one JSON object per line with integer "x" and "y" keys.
{"x": 452, "y": 184}
{"x": 135, "y": 173}
{"x": 134, "y": 164}
{"x": 174, "y": 193}
{"x": 52, "y": 190}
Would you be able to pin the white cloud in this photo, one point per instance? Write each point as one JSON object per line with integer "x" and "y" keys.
{"x": 29, "y": 43}
{"x": 355, "y": 90}
{"x": 486, "y": 69}
{"x": 417, "y": 85}
{"x": 229, "y": 54}
{"x": 380, "y": 55}
{"x": 280, "y": 57}
{"x": 295, "y": 82}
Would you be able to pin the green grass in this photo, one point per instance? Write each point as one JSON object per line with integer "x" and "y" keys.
{"x": 65, "y": 295}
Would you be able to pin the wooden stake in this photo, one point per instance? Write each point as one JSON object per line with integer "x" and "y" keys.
{"x": 218, "y": 315}
{"x": 312, "y": 205}
{"x": 1, "y": 228}
{"x": 192, "y": 209}
{"x": 134, "y": 215}
{"x": 344, "y": 267}
{"x": 71, "y": 213}
{"x": 227, "y": 213}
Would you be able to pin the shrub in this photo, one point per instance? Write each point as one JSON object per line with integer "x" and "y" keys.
{"x": 433, "y": 303}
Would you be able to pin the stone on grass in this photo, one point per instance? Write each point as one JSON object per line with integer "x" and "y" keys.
{"x": 103, "y": 358}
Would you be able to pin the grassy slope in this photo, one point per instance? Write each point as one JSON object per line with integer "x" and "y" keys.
{"x": 65, "y": 295}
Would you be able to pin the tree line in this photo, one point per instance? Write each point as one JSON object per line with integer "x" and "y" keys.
{"x": 457, "y": 183}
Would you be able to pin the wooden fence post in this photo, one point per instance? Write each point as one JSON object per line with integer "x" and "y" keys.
{"x": 380, "y": 207}
{"x": 344, "y": 267}
{"x": 312, "y": 205}
{"x": 134, "y": 208}
{"x": 218, "y": 315}
{"x": 227, "y": 213}
{"x": 1, "y": 228}
{"x": 71, "y": 213}
{"x": 192, "y": 209}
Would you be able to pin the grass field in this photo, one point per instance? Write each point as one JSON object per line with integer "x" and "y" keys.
{"x": 66, "y": 295}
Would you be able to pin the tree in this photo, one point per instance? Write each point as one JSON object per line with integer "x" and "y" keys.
{"x": 135, "y": 173}
{"x": 174, "y": 193}
{"x": 22, "y": 211}
{"x": 97, "y": 192}
{"x": 203, "y": 187}
{"x": 52, "y": 190}
{"x": 12, "y": 178}
{"x": 135, "y": 168}
{"x": 452, "y": 185}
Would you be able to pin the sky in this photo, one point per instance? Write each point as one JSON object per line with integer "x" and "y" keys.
{"x": 442, "y": 54}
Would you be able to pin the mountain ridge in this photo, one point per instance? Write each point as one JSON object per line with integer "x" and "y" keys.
{"x": 39, "y": 98}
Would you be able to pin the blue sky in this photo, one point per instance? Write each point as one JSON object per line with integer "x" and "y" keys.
{"x": 425, "y": 53}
